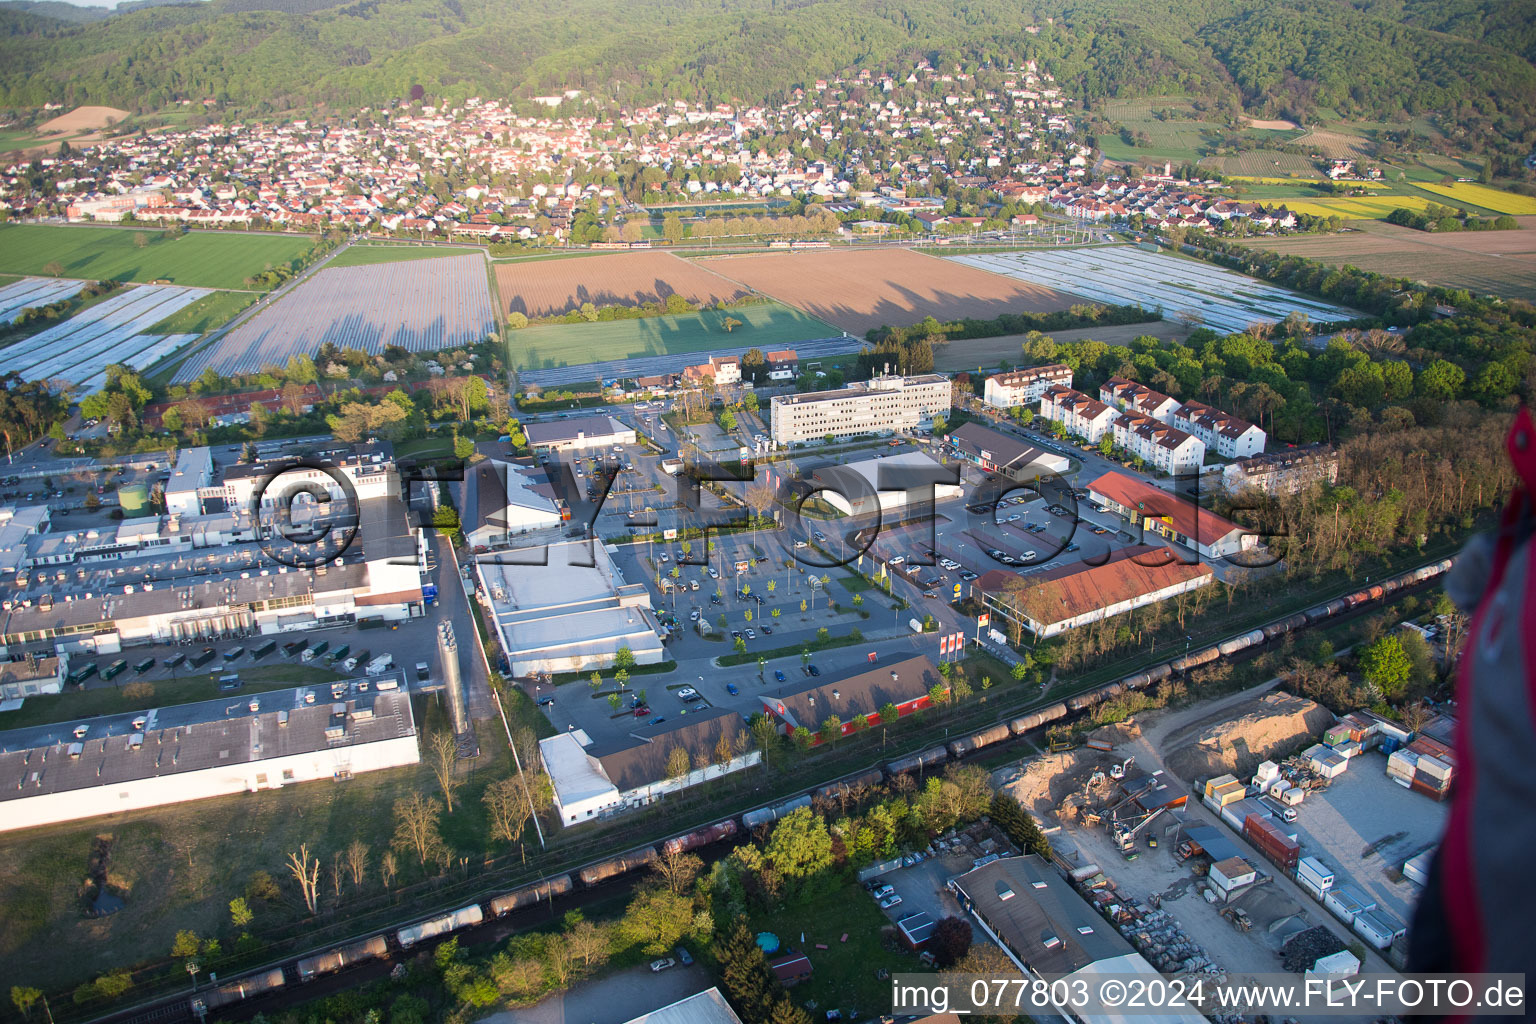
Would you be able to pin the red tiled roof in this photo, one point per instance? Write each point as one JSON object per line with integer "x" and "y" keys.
{"x": 1186, "y": 517}
{"x": 1071, "y": 590}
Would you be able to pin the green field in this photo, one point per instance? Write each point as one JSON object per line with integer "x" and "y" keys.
{"x": 370, "y": 255}
{"x": 762, "y": 326}
{"x": 205, "y": 314}
{"x": 203, "y": 259}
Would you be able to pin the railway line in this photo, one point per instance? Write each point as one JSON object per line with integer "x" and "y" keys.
{"x": 373, "y": 953}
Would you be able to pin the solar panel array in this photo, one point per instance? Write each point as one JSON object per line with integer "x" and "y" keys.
{"x": 421, "y": 305}
{"x": 1125, "y": 275}
{"x": 33, "y": 291}
{"x": 81, "y": 348}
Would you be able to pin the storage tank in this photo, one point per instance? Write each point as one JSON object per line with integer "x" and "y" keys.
{"x": 134, "y": 500}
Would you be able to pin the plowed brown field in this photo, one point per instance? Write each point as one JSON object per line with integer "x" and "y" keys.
{"x": 1496, "y": 262}
{"x": 862, "y": 289}
{"x": 552, "y": 287}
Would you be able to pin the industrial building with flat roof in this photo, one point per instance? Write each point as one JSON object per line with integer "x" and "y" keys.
{"x": 238, "y": 744}
{"x": 1043, "y": 925}
{"x": 879, "y": 405}
{"x": 910, "y": 481}
{"x": 566, "y": 608}
{"x": 578, "y": 433}
{"x": 997, "y": 452}
{"x": 596, "y": 779}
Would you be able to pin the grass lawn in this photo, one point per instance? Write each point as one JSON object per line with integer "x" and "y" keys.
{"x": 178, "y": 867}
{"x": 425, "y": 448}
{"x": 191, "y": 687}
{"x": 369, "y": 255}
{"x": 205, "y": 314}
{"x": 770, "y": 324}
{"x": 843, "y": 974}
{"x": 204, "y": 259}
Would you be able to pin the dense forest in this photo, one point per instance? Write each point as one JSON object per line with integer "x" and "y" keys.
{"x": 1466, "y": 60}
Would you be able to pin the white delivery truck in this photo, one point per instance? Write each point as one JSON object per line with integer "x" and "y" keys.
{"x": 378, "y": 666}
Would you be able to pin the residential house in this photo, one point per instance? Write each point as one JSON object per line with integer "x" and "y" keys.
{"x": 1078, "y": 414}
{"x": 1025, "y": 387}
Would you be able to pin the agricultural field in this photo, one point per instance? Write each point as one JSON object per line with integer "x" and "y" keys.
{"x": 1356, "y": 207}
{"x": 622, "y": 279}
{"x": 976, "y": 354}
{"x": 1262, "y": 163}
{"x": 213, "y": 310}
{"x": 1181, "y": 288}
{"x": 112, "y": 331}
{"x": 769, "y": 324}
{"x": 859, "y": 290}
{"x": 1485, "y": 262}
{"x": 420, "y": 305}
{"x": 1481, "y": 195}
{"x": 370, "y": 255}
{"x": 33, "y": 291}
{"x": 201, "y": 259}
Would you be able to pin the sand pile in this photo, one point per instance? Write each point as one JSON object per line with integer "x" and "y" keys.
{"x": 1254, "y": 731}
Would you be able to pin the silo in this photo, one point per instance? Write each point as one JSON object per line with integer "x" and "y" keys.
{"x": 448, "y": 654}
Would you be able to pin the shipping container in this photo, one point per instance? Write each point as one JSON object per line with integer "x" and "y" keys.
{"x": 1416, "y": 868}
{"x": 1433, "y": 767}
{"x": 1314, "y": 870}
{"x": 1346, "y": 901}
{"x": 1372, "y": 929}
{"x": 1269, "y": 840}
{"x": 1430, "y": 788}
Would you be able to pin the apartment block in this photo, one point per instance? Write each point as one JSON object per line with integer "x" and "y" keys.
{"x": 1160, "y": 445}
{"x": 1025, "y": 387}
{"x": 1137, "y": 399}
{"x": 1231, "y": 436}
{"x": 1081, "y": 415}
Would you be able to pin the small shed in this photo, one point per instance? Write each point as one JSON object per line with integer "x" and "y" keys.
{"x": 791, "y": 969}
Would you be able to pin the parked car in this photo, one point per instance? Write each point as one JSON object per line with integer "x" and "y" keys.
{"x": 546, "y": 702}
{"x": 813, "y": 670}
{"x": 688, "y": 694}
{"x": 683, "y": 955}
{"x": 642, "y": 711}
{"x": 663, "y": 964}
{"x": 889, "y": 902}
{"x": 880, "y": 892}
{"x": 732, "y": 689}
{"x": 767, "y": 631}
{"x": 778, "y": 676}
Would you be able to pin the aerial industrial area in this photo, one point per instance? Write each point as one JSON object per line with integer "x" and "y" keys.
{"x": 577, "y": 556}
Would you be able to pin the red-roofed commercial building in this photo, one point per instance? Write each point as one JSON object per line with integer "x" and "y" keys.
{"x": 1078, "y": 594}
{"x": 1170, "y": 516}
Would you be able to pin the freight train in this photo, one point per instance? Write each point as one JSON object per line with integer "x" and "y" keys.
{"x": 387, "y": 944}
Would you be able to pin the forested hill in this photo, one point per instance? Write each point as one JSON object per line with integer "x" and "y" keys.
{"x": 1370, "y": 58}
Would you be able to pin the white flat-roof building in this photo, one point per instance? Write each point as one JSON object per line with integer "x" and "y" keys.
{"x": 571, "y": 613}
{"x": 877, "y": 406}
{"x": 578, "y": 433}
{"x": 1024, "y": 387}
{"x": 887, "y": 484}
{"x": 706, "y": 1007}
{"x": 193, "y": 472}
{"x": 596, "y": 779}
{"x": 240, "y": 744}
